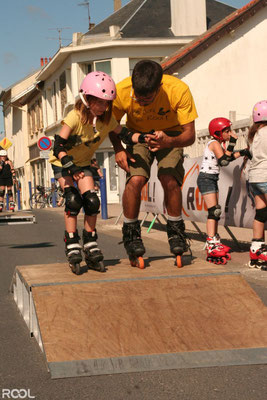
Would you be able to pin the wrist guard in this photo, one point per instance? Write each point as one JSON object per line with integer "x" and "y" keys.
{"x": 142, "y": 137}
{"x": 68, "y": 164}
{"x": 232, "y": 143}
{"x": 126, "y": 136}
{"x": 245, "y": 153}
{"x": 59, "y": 145}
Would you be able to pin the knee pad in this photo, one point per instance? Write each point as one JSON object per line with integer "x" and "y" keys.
{"x": 2, "y": 192}
{"x": 73, "y": 202}
{"x": 214, "y": 212}
{"x": 91, "y": 203}
{"x": 261, "y": 215}
{"x": 10, "y": 193}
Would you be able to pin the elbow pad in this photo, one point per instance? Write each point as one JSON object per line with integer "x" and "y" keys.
{"x": 126, "y": 136}
{"x": 59, "y": 145}
{"x": 225, "y": 160}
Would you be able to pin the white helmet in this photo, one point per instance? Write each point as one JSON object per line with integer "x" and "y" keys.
{"x": 3, "y": 153}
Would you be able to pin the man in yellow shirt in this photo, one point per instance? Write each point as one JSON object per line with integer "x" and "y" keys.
{"x": 162, "y": 104}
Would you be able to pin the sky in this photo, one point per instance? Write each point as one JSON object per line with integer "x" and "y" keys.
{"x": 29, "y": 30}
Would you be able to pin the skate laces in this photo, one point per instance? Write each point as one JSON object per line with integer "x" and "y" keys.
{"x": 176, "y": 230}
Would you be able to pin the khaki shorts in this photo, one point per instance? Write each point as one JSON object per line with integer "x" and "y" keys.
{"x": 170, "y": 162}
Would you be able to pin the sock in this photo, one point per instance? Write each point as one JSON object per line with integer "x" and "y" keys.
{"x": 170, "y": 218}
{"x": 129, "y": 221}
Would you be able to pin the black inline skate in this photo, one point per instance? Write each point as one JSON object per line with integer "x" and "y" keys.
{"x": 93, "y": 255}
{"x": 133, "y": 243}
{"x": 73, "y": 251}
{"x": 178, "y": 240}
{"x": 258, "y": 257}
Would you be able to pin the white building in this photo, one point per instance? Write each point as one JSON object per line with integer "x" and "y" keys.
{"x": 131, "y": 33}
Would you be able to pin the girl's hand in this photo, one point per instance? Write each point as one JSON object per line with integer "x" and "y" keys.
{"x": 78, "y": 175}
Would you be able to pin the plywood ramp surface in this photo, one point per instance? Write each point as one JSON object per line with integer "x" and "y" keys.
{"x": 116, "y": 269}
{"x": 148, "y": 317}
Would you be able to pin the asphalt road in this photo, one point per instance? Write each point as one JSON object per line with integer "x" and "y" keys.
{"x": 22, "y": 364}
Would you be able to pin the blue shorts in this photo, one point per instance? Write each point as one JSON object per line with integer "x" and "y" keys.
{"x": 258, "y": 188}
{"x": 207, "y": 183}
{"x": 60, "y": 172}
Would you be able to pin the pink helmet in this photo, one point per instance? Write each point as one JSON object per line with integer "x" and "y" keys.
{"x": 99, "y": 84}
{"x": 260, "y": 111}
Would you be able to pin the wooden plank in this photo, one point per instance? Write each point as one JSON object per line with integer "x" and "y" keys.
{"x": 116, "y": 269}
{"x": 149, "y": 316}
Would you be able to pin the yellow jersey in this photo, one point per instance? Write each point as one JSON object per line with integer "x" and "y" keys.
{"x": 172, "y": 107}
{"x": 83, "y": 140}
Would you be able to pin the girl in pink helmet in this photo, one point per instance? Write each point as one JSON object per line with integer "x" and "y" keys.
{"x": 257, "y": 176}
{"x": 83, "y": 130}
{"x": 215, "y": 157}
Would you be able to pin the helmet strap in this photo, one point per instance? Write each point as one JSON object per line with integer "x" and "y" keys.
{"x": 83, "y": 100}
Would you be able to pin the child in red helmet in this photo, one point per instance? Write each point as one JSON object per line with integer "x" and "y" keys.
{"x": 215, "y": 157}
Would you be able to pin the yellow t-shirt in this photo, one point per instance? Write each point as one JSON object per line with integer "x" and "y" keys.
{"x": 172, "y": 107}
{"x": 80, "y": 145}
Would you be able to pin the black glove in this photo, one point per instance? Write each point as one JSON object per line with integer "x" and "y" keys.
{"x": 2, "y": 163}
{"x": 232, "y": 143}
{"x": 68, "y": 164}
{"x": 245, "y": 153}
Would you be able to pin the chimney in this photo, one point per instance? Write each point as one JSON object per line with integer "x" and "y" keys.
{"x": 188, "y": 17}
{"x": 42, "y": 62}
{"x": 117, "y": 5}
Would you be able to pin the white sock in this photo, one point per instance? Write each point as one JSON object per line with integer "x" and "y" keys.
{"x": 129, "y": 221}
{"x": 170, "y": 218}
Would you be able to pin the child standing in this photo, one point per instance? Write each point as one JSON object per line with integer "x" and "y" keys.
{"x": 215, "y": 157}
{"x": 83, "y": 130}
{"x": 7, "y": 176}
{"x": 257, "y": 175}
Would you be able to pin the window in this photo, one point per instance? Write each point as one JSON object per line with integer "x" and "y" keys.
{"x": 54, "y": 101}
{"x": 104, "y": 66}
{"x": 63, "y": 91}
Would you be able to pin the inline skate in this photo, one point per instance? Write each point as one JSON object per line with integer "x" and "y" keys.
{"x": 215, "y": 252}
{"x": 258, "y": 256}
{"x": 1, "y": 206}
{"x": 227, "y": 249}
{"x": 93, "y": 255}
{"x": 133, "y": 243}
{"x": 178, "y": 240}
{"x": 73, "y": 251}
{"x": 12, "y": 206}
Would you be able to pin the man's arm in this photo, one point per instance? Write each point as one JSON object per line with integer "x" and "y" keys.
{"x": 161, "y": 140}
{"x": 121, "y": 155}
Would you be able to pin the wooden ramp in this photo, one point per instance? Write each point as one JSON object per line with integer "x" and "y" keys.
{"x": 129, "y": 320}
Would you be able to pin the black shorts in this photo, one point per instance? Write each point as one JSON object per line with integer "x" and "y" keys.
{"x": 6, "y": 182}
{"x": 60, "y": 172}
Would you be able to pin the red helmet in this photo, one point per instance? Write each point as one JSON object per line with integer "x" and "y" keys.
{"x": 216, "y": 126}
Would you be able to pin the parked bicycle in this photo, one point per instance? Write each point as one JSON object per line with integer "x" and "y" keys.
{"x": 44, "y": 197}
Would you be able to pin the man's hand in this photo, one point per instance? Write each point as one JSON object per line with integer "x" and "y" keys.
{"x": 158, "y": 140}
{"x": 121, "y": 158}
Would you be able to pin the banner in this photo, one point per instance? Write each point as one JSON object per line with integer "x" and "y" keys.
{"x": 234, "y": 197}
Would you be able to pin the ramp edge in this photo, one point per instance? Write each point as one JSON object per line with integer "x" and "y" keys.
{"x": 157, "y": 362}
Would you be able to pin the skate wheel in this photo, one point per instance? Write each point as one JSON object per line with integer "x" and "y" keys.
{"x": 179, "y": 261}
{"x": 76, "y": 268}
{"x": 228, "y": 256}
{"x": 101, "y": 266}
{"x": 223, "y": 260}
{"x": 138, "y": 262}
